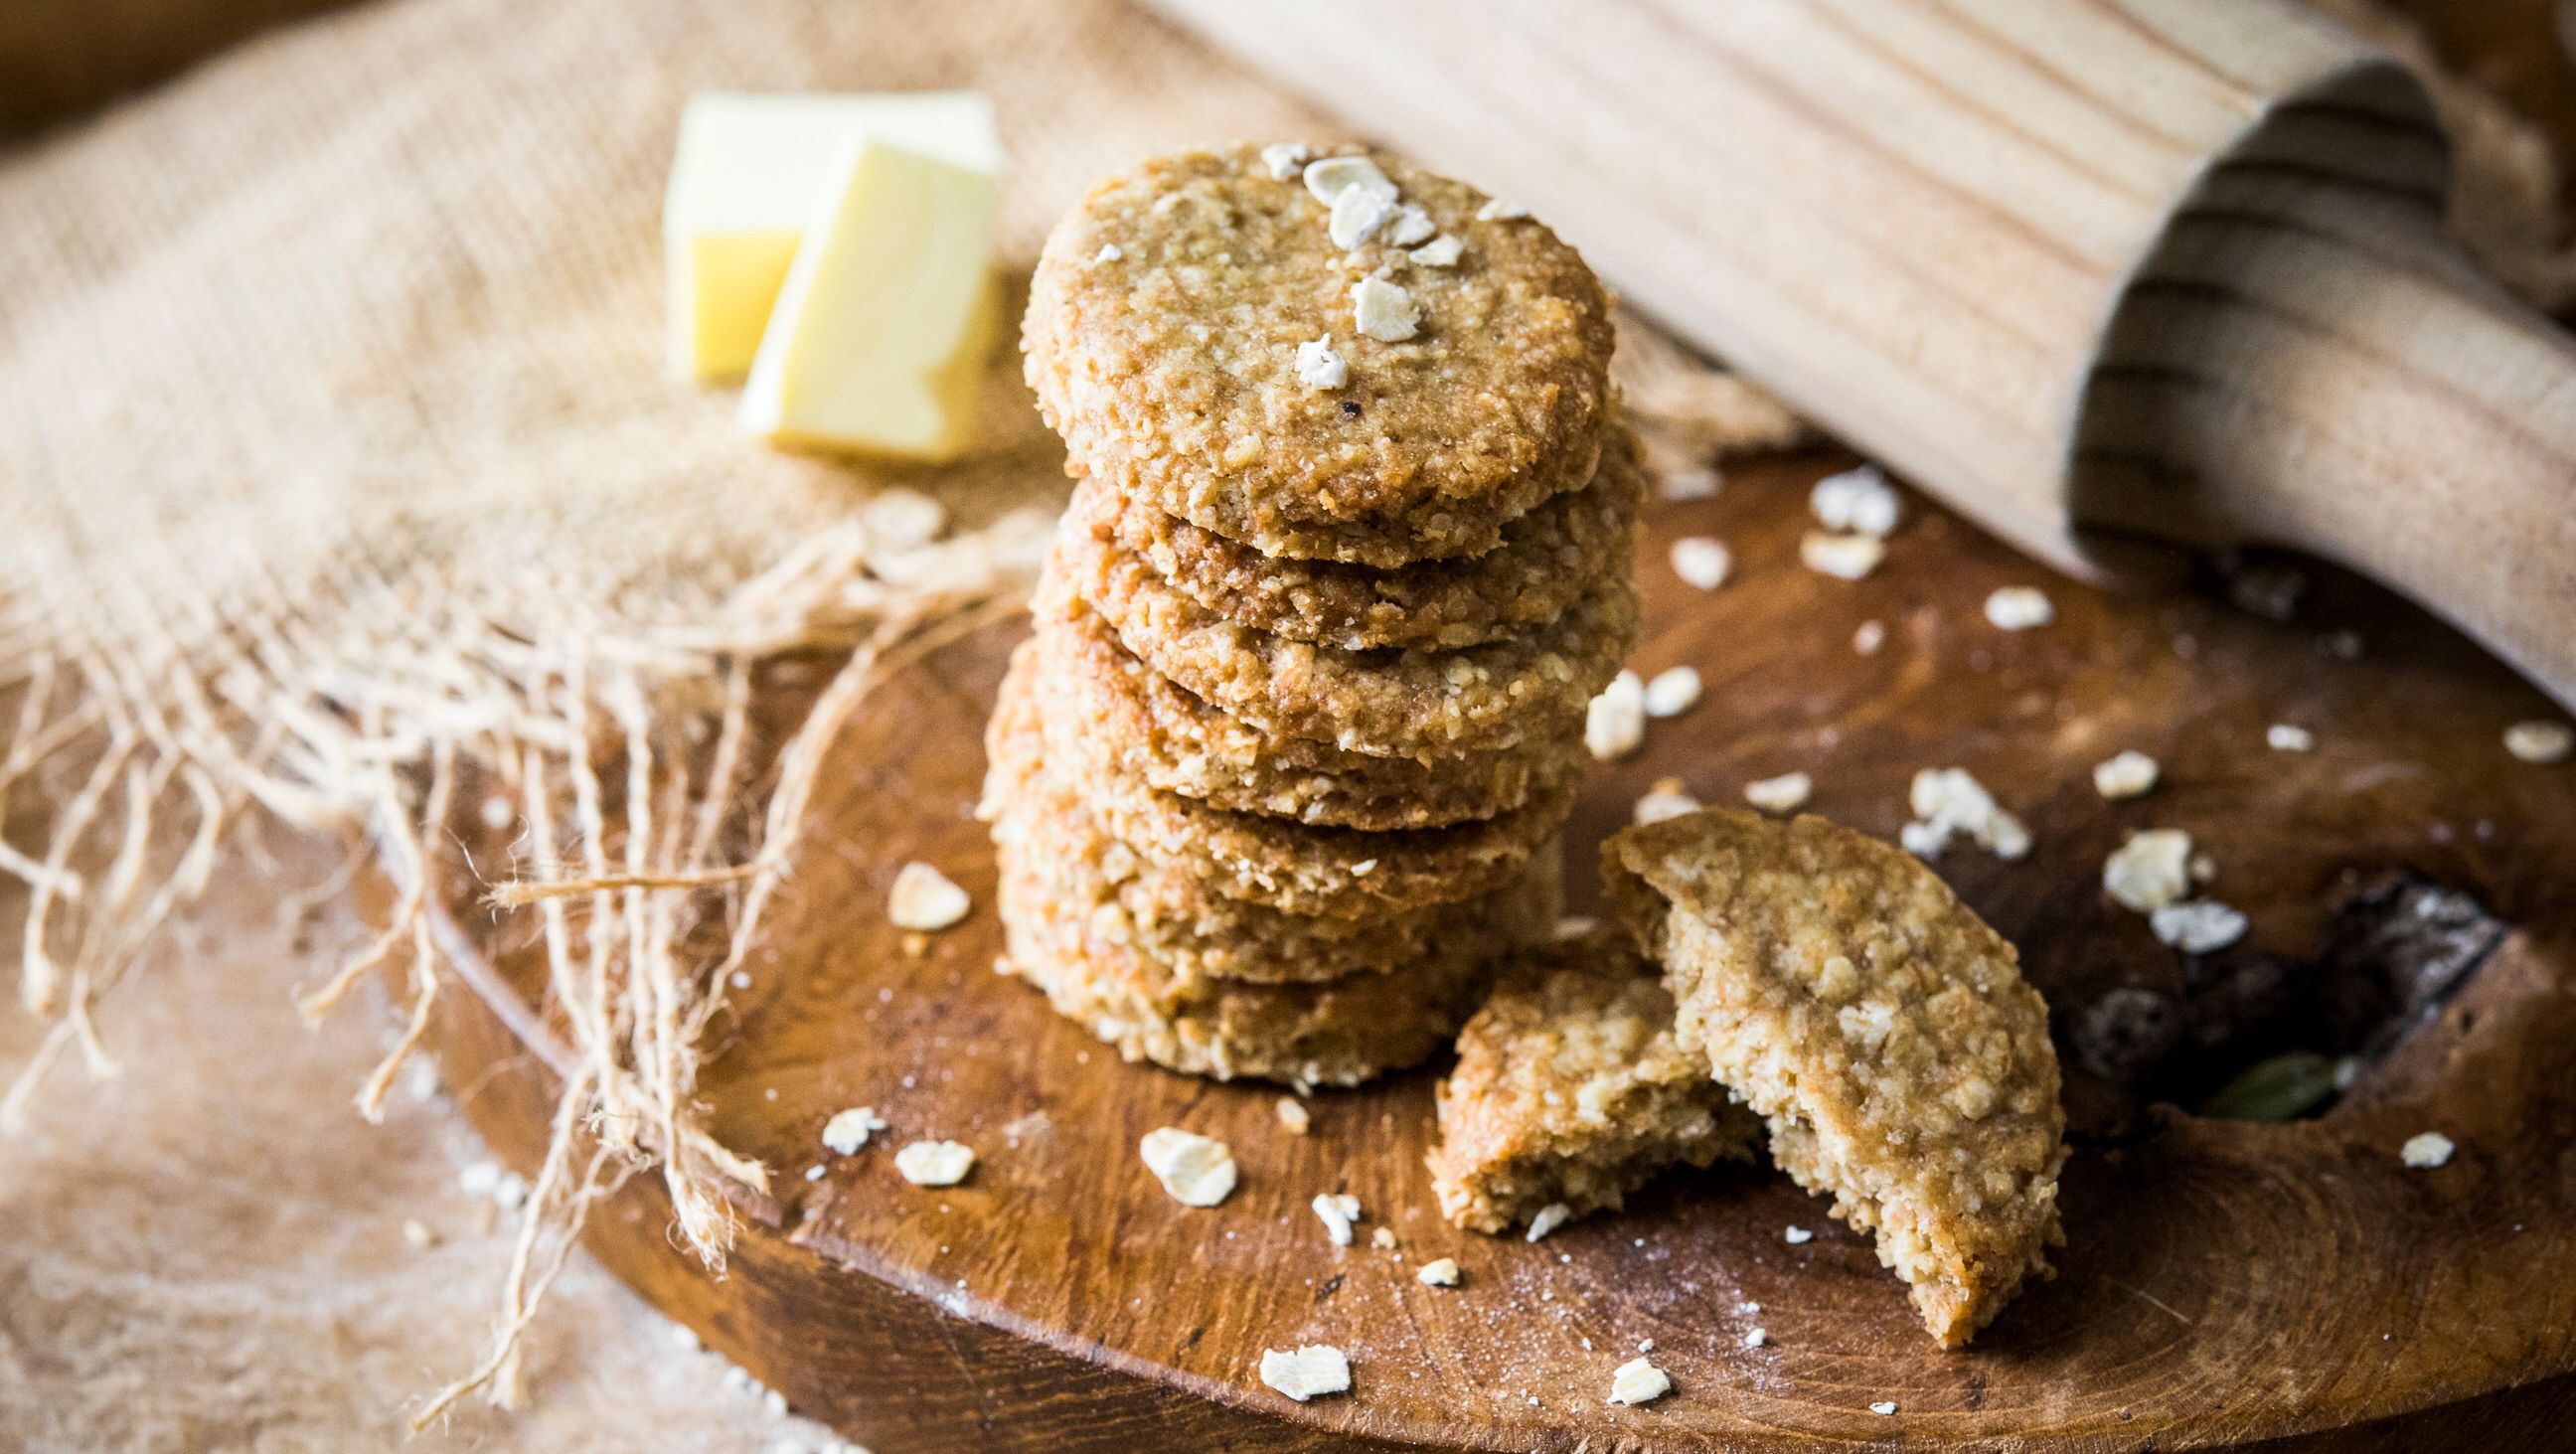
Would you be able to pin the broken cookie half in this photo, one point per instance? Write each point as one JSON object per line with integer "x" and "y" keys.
{"x": 1571, "y": 1091}
{"x": 1878, "y": 1026}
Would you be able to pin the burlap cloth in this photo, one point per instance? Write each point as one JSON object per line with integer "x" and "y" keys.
{"x": 407, "y": 253}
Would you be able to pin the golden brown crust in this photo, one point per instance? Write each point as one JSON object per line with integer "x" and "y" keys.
{"x": 1110, "y": 713}
{"x": 1883, "y": 1030}
{"x": 1391, "y": 703}
{"x": 1168, "y": 363}
{"x": 1547, "y": 559}
{"x": 1571, "y": 1089}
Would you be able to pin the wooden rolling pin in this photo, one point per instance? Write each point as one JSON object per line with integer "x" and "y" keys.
{"x": 2097, "y": 272}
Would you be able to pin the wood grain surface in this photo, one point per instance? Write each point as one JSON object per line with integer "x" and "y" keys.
{"x": 2225, "y": 1284}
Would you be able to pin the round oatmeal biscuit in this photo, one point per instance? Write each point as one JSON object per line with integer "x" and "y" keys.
{"x": 1392, "y": 702}
{"x": 1111, "y": 713}
{"x": 1174, "y": 920}
{"x": 1163, "y": 338}
{"x": 1547, "y": 560}
{"x": 1338, "y": 1033}
{"x": 1338, "y": 872}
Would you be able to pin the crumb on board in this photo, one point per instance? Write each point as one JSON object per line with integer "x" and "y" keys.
{"x": 1858, "y": 500}
{"x": 2019, "y": 608}
{"x": 2127, "y": 774}
{"x": 1439, "y": 1272}
{"x": 1847, "y": 557}
{"x": 1796, "y": 1235}
{"x": 1783, "y": 794}
{"x": 1615, "y": 723}
{"x": 1307, "y": 1372}
{"x": 924, "y": 899}
{"x": 2149, "y": 870}
{"x": 1947, "y": 801}
{"x": 1868, "y": 637}
{"x": 2540, "y": 743}
{"x": 1665, "y": 799}
{"x": 1337, "y": 1210}
{"x": 1701, "y": 561}
{"x": 849, "y": 1130}
{"x": 2426, "y": 1150}
{"x": 934, "y": 1163}
{"x": 1673, "y": 691}
{"x": 2285, "y": 737}
{"x": 1197, "y": 1170}
{"x": 2198, "y": 926}
{"x": 1637, "y": 1382}
{"x": 1294, "y": 1115}
{"x": 1549, "y": 1218}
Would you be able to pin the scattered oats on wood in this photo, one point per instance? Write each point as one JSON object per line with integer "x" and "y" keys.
{"x": 1318, "y": 367}
{"x": 1337, "y": 1210}
{"x": 1844, "y": 557}
{"x": 1756, "y": 1337}
{"x": 1440, "y": 1273}
{"x": 1883, "y": 1406}
{"x": 814, "y": 1172}
{"x": 849, "y": 1130}
{"x": 1783, "y": 794}
{"x": 1294, "y": 1115}
{"x": 1858, "y": 499}
{"x": 1384, "y": 311}
{"x": 1869, "y": 636}
{"x": 2540, "y": 742}
{"x": 1326, "y": 180}
{"x": 1383, "y": 1239}
{"x": 1796, "y": 1235}
{"x": 924, "y": 899}
{"x": 1637, "y": 1382}
{"x": 2019, "y": 608}
{"x": 1285, "y": 159}
{"x": 417, "y": 1233}
{"x": 1549, "y": 1218}
{"x": 1673, "y": 691}
{"x": 2426, "y": 1150}
{"x": 1440, "y": 252}
{"x": 1615, "y": 722}
{"x": 2199, "y": 926}
{"x": 1309, "y": 1372}
{"x": 2128, "y": 774}
{"x": 1696, "y": 482}
{"x": 934, "y": 1163}
{"x": 1748, "y": 1308}
{"x": 1666, "y": 799}
{"x": 1947, "y": 802}
{"x": 1498, "y": 210}
{"x": 2149, "y": 870}
{"x": 1197, "y": 1170}
{"x": 1701, "y": 561}
{"x": 2282, "y": 737}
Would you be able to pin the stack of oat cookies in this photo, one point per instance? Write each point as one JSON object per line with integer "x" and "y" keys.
{"x": 1279, "y": 776}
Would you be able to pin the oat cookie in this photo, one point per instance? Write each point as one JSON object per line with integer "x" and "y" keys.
{"x": 1392, "y": 703}
{"x": 1570, "y": 1088}
{"x": 1111, "y": 712}
{"x": 1291, "y": 866}
{"x": 1168, "y": 317}
{"x": 1177, "y": 921}
{"x": 1547, "y": 560}
{"x": 1883, "y": 1031}
{"x": 1337, "y": 1033}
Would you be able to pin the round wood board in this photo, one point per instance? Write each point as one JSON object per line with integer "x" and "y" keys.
{"x": 2224, "y": 1284}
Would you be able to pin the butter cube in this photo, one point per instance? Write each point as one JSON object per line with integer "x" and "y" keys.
{"x": 748, "y": 174}
{"x": 881, "y": 330}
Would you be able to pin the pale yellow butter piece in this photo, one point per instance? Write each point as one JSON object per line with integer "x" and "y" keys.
{"x": 888, "y": 313}
{"x": 747, "y": 176}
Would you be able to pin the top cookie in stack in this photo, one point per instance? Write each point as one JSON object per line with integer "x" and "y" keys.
{"x": 1282, "y": 769}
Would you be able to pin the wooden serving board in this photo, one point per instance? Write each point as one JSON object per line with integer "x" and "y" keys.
{"x": 2225, "y": 1284}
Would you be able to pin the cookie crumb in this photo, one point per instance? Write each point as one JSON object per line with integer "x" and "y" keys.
{"x": 2149, "y": 870}
{"x": 924, "y": 899}
{"x": 1383, "y": 1238}
{"x": 2200, "y": 926}
{"x": 1883, "y": 1407}
{"x": 1616, "y": 721}
{"x": 1294, "y": 1115}
{"x": 1197, "y": 1170}
{"x": 1844, "y": 557}
{"x": 849, "y": 1130}
{"x": 1948, "y": 802}
{"x": 934, "y": 1163}
{"x": 1309, "y": 1372}
{"x": 1549, "y": 1218}
{"x": 1337, "y": 1211}
{"x": 1285, "y": 159}
{"x": 1666, "y": 799}
{"x": 1868, "y": 637}
{"x": 1783, "y": 794}
{"x": 2128, "y": 774}
{"x": 1318, "y": 367}
{"x": 2426, "y": 1150}
{"x": 1440, "y": 1273}
{"x": 2540, "y": 742}
{"x": 1384, "y": 311}
{"x": 1672, "y": 692}
{"x": 2019, "y": 608}
{"x": 1797, "y": 1235}
{"x": 1498, "y": 210}
{"x": 2282, "y": 737}
{"x": 1440, "y": 252}
{"x": 1701, "y": 561}
{"x": 1858, "y": 499}
{"x": 1695, "y": 483}
{"x": 1637, "y": 1382}
{"x": 1756, "y": 1337}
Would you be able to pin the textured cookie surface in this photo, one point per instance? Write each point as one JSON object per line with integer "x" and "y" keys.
{"x": 1878, "y": 1025}
{"x": 1397, "y": 702}
{"x": 1110, "y": 713}
{"x": 1571, "y": 1090}
{"x": 1163, "y": 333}
{"x": 1176, "y": 920}
{"x": 1547, "y": 559}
